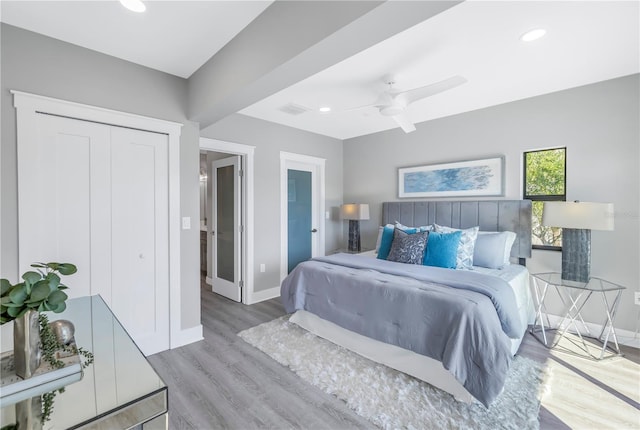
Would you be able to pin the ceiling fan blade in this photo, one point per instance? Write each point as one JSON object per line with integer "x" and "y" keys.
{"x": 410, "y": 96}
{"x": 404, "y": 122}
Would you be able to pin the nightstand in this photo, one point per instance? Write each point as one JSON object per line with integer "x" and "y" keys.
{"x": 574, "y": 295}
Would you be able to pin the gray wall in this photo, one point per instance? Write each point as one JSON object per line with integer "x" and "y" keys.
{"x": 269, "y": 139}
{"x": 37, "y": 64}
{"x": 599, "y": 125}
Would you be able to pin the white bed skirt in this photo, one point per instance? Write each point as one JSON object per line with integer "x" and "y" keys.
{"x": 417, "y": 365}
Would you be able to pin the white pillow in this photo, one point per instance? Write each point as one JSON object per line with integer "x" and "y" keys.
{"x": 493, "y": 249}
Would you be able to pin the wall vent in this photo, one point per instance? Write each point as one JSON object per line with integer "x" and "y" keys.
{"x": 293, "y": 109}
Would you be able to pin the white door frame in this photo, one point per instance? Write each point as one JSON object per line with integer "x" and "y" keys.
{"x": 27, "y": 105}
{"x": 318, "y": 191}
{"x": 247, "y": 153}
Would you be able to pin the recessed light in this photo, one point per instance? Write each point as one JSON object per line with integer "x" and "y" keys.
{"x": 134, "y": 5}
{"x": 325, "y": 109}
{"x": 532, "y": 35}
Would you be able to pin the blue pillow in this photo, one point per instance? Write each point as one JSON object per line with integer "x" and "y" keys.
{"x": 387, "y": 240}
{"x": 442, "y": 249}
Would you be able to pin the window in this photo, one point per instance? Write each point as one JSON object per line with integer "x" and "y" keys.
{"x": 545, "y": 180}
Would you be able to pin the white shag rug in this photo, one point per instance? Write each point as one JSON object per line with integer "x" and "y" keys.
{"x": 391, "y": 399}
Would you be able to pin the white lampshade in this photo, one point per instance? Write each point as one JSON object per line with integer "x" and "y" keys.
{"x": 356, "y": 211}
{"x": 578, "y": 215}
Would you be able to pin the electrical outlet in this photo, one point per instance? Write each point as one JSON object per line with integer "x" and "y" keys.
{"x": 636, "y": 298}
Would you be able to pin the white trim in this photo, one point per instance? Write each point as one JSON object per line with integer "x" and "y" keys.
{"x": 247, "y": 151}
{"x": 625, "y": 337}
{"x": 261, "y": 296}
{"x": 28, "y": 104}
{"x": 208, "y": 280}
{"x": 187, "y": 336}
{"x": 318, "y": 167}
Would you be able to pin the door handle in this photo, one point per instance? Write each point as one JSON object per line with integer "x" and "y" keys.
{"x": 213, "y": 233}
{"x": 315, "y": 230}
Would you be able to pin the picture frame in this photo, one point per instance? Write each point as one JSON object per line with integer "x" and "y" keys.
{"x": 470, "y": 178}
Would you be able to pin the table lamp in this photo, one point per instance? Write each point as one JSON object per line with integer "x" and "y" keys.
{"x": 577, "y": 219}
{"x": 354, "y": 212}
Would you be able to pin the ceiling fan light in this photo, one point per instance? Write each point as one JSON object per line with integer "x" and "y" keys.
{"x": 532, "y": 35}
{"x": 324, "y": 109}
{"x": 134, "y": 5}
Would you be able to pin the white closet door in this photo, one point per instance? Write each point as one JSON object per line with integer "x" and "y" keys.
{"x": 97, "y": 196}
{"x": 56, "y": 196}
{"x": 140, "y": 235}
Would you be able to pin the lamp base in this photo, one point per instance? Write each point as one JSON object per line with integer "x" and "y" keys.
{"x": 354, "y": 235}
{"x": 576, "y": 254}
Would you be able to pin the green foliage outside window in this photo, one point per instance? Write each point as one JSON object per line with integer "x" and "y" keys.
{"x": 545, "y": 180}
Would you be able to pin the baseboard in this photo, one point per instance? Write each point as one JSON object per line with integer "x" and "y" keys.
{"x": 261, "y": 296}
{"x": 187, "y": 336}
{"x": 209, "y": 281}
{"x": 625, "y": 337}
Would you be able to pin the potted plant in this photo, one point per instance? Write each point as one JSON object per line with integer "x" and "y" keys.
{"x": 39, "y": 291}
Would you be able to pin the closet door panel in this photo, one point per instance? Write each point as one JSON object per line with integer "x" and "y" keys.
{"x": 139, "y": 225}
{"x": 55, "y": 189}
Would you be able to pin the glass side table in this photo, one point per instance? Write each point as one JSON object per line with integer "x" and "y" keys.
{"x": 574, "y": 295}
{"x": 120, "y": 390}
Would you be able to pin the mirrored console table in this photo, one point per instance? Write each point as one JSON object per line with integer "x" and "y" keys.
{"x": 120, "y": 390}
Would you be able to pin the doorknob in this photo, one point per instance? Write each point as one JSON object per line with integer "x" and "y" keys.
{"x": 213, "y": 233}
{"x": 315, "y": 230}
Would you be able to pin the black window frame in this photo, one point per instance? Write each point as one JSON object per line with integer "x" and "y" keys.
{"x": 544, "y": 197}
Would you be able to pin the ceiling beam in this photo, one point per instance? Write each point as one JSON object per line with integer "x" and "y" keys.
{"x": 290, "y": 41}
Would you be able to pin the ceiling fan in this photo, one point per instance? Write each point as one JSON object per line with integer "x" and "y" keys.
{"x": 394, "y": 103}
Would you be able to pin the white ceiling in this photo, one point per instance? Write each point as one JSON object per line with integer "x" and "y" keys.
{"x": 586, "y": 42}
{"x": 175, "y": 37}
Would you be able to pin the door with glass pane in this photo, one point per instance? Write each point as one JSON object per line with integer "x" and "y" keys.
{"x": 227, "y": 229}
{"x": 299, "y": 217}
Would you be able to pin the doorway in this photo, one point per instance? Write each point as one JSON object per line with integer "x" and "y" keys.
{"x": 301, "y": 209}
{"x": 227, "y": 218}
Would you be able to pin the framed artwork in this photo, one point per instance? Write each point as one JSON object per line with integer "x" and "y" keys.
{"x": 472, "y": 178}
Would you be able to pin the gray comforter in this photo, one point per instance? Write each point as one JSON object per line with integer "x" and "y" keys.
{"x": 461, "y": 318}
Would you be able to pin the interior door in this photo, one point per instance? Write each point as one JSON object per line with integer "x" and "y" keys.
{"x": 300, "y": 229}
{"x": 97, "y": 196}
{"x": 227, "y": 228}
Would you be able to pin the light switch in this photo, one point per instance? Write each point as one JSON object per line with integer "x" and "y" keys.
{"x": 263, "y": 268}
{"x": 327, "y": 215}
{"x": 186, "y": 223}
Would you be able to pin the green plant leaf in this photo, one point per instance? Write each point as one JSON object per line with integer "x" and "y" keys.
{"x": 18, "y": 294}
{"x": 4, "y": 300}
{"x": 31, "y": 277}
{"x": 59, "y": 308}
{"x": 14, "y": 312}
{"x": 39, "y": 265}
{"x": 56, "y": 298}
{"x": 67, "y": 269}
{"x": 5, "y": 286}
{"x": 39, "y": 292}
{"x": 13, "y": 305}
{"x": 53, "y": 280}
{"x": 52, "y": 266}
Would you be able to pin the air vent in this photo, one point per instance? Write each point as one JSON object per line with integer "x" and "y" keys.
{"x": 293, "y": 109}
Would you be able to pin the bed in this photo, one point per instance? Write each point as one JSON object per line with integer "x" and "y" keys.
{"x": 455, "y": 329}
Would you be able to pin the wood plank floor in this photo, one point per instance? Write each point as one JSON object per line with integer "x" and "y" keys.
{"x": 223, "y": 383}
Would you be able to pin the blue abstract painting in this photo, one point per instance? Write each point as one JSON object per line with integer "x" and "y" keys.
{"x": 465, "y": 178}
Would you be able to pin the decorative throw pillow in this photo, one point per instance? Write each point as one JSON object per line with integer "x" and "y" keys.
{"x": 385, "y": 241}
{"x": 410, "y": 230}
{"x": 408, "y": 248}
{"x": 493, "y": 249}
{"x": 442, "y": 249}
{"x": 464, "y": 259}
{"x": 379, "y": 240}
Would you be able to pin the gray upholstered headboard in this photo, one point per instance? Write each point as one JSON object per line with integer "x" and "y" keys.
{"x": 490, "y": 215}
